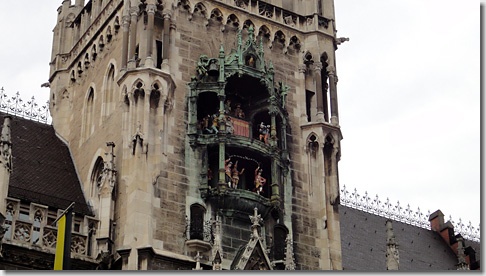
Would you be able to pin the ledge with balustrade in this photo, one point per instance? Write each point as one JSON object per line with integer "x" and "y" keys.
{"x": 27, "y": 226}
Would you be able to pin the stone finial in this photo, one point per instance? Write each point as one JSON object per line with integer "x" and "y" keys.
{"x": 198, "y": 258}
{"x": 221, "y": 50}
{"x": 392, "y": 256}
{"x": 461, "y": 256}
{"x": 256, "y": 219}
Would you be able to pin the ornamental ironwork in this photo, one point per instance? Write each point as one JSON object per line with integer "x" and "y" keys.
{"x": 30, "y": 109}
{"x": 199, "y": 231}
{"x": 398, "y": 212}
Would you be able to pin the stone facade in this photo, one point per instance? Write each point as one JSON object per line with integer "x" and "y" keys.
{"x": 122, "y": 73}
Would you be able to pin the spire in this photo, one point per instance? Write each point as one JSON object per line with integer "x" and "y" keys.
{"x": 289, "y": 253}
{"x": 250, "y": 33}
{"x": 221, "y": 51}
{"x": 392, "y": 256}
{"x": 217, "y": 248}
{"x": 261, "y": 45}
{"x": 270, "y": 68}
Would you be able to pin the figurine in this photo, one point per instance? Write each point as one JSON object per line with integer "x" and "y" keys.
{"x": 210, "y": 174}
{"x": 239, "y": 112}
{"x": 214, "y": 127}
{"x": 259, "y": 180}
{"x": 205, "y": 124}
{"x": 227, "y": 106}
{"x": 267, "y": 134}
{"x": 227, "y": 168}
{"x": 200, "y": 127}
{"x": 229, "y": 125}
{"x": 236, "y": 175}
{"x": 263, "y": 129}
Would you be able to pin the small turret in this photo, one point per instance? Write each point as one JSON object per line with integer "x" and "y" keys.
{"x": 392, "y": 256}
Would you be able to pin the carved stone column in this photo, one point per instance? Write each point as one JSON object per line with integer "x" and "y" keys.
{"x": 133, "y": 37}
{"x": 333, "y": 178}
{"x": 151, "y": 8}
{"x": 105, "y": 240}
{"x": 222, "y": 150}
{"x": 125, "y": 27}
{"x": 302, "y": 96}
{"x": 319, "y": 96}
{"x": 334, "y": 102}
{"x": 166, "y": 41}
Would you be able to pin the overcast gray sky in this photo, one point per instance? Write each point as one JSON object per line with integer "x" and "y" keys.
{"x": 408, "y": 94}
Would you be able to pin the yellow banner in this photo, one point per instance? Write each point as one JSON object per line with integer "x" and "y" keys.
{"x": 61, "y": 232}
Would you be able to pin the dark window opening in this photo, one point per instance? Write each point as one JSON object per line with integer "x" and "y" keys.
{"x": 158, "y": 45}
{"x": 309, "y": 96}
{"x": 154, "y": 99}
{"x": 196, "y": 229}
{"x": 279, "y": 243}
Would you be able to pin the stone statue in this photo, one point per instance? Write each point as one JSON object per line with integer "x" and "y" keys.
{"x": 259, "y": 180}
{"x": 236, "y": 175}
{"x": 202, "y": 66}
{"x": 283, "y": 92}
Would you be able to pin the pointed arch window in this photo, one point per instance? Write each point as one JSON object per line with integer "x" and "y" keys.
{"x": 97, "y": 176}
{"x": 88, "y": 124}
{"x": 109, "y": 93}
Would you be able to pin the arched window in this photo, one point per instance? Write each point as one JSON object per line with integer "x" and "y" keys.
{"x": 196, "y": 228}
{"x": 88, "y": 123}
{"x": 109, "y": 93}
{"x": 314, "y": 163}
{"x": 96, "y": 176}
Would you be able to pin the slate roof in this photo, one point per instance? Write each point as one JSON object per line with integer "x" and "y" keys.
{"x": 43, "y": 170}
{"x": 363, "y": 244}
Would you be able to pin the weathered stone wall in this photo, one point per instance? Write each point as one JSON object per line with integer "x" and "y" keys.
{"x": 163, "y": 182}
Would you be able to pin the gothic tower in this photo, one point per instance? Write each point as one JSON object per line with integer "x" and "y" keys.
{"x": 205, "y": 133}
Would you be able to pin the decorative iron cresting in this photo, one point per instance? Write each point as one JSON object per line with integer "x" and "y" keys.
{"x": 203, "y": 232}
{"x": 26, "y": 109}
{"x": 406, "y": 214}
